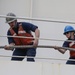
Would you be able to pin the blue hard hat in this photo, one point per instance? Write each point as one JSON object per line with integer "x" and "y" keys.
{"x": 68, "y": 29}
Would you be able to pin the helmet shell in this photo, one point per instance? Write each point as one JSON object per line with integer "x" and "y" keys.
{"x": 8, "y": 20}
{"x": 68, "y": 29}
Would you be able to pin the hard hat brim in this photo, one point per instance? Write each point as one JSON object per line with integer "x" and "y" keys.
{"x": 10, "y": 21}
{"x": 69, "y": 31}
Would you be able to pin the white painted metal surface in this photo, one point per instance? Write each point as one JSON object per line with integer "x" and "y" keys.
{"x": 35, "y": 68}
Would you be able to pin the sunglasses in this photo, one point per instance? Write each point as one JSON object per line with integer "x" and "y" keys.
{"x": 66, "y": 33}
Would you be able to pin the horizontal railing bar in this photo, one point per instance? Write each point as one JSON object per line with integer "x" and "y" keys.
{"x": 39, "y": 58}
{"x": 38, "y": 19}
{"x": 38, "y": 38}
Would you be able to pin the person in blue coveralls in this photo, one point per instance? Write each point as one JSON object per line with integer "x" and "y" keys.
{"x": 69, "y": 32}
{"x": 22, "y": 29}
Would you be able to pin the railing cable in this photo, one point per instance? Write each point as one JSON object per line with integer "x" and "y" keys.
{"x": 38, "y": 19}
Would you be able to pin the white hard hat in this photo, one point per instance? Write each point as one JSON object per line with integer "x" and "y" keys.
{"x": 8, "y": 20}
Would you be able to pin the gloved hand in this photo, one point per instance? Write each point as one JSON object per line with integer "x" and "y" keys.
{"x": 8, "y": 47}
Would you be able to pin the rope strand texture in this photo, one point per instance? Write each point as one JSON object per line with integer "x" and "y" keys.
{"x": 39, "y": 46}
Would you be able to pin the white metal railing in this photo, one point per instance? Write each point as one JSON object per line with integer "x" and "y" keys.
{"x": 43, "y": 58}
{"x": 37, "y": 38}
{"x": 38, "y": 19}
